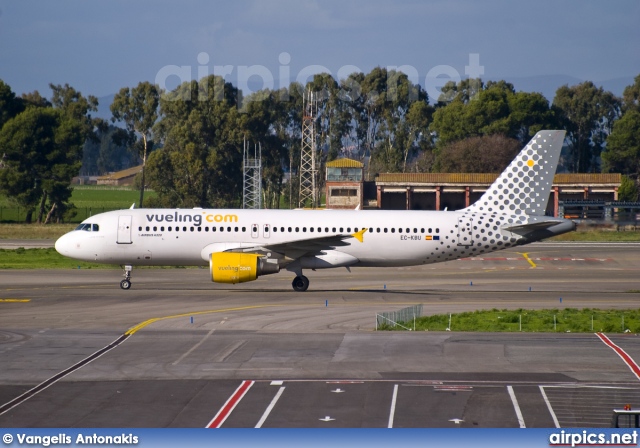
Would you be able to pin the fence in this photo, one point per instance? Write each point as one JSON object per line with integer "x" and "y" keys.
{"x": 569, "y": 320}
{"x": 19, "y": 214}
{"x": 405, "y": 315}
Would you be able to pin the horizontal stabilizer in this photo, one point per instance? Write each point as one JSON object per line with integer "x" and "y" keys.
{"x": 525, "y": 229}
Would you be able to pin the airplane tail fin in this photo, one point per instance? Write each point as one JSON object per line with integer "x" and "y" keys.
{"x": 523, "y": 187}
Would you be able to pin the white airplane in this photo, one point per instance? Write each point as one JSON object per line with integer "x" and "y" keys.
{"x": 241, "y": 245}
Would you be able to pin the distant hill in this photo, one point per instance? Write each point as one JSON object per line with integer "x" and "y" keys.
{"x": 104, "y": 102}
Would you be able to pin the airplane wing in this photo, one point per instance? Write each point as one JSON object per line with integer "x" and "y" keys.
{"x": 300, "y": 247}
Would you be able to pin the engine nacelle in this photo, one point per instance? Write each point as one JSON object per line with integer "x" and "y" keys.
{"x": 230, "y": 267}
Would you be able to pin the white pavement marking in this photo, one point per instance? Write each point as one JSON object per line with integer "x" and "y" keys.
{"x": 188, "y": 352}
{"x": 516, "y": 406}
{"x": 270, "y": 408}
{"x": 546, "y": 400}
{"x": 392, "y": 411}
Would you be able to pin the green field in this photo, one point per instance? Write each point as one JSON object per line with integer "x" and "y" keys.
{"x": 568, "y": 320}
{"x": 88, "y": 199}
{"x": 22, "y": 258}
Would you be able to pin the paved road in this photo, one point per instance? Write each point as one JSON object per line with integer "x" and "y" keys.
{"x": 314, "y": 359}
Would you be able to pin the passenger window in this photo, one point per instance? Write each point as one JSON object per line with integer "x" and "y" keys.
{"x": 430, "y": 231}
{"x": 282, "y": 229}
{"x": 393, "y": 230}
{"x": 155, "y": 229}
{"x": 139, "y": 229}
{"x": 170, "y": 228}
{"x": 408, "y": 230}
{"x": 275, "y": 229}
{"x": 235, "y": 230}
{"x": 147, "y": 228}
{"x": 244, "y": 229}
{"x": 199, "y": 229}
{"x": 191, "y": 228}
{"x": 370, "y": 229}
{"x": 415, "y": 230}
{"x": 228, "y": 229}
{"x": 184, "y": 228}
{"x": 385, "y": 230}
{"x": 348, "y": 229}
{"x": 319, "y": 229}
{"x": 437, "y": 230}
{"x": 400, "y": 230}
{"x": 297, "y": 229}
{"x": 162, "y": 229}
{"x": 334, "y": 230}
{"x": 177, "y": 229}
{"x": 289, "y": 229}
{"x": 310, "y": 229}
{"x": 421, "y": 230}
{"x": 326, "y": 229}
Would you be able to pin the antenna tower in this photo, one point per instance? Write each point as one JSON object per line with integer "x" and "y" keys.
{"x": 308, "y": 172}
{"x": 252, "y": 179}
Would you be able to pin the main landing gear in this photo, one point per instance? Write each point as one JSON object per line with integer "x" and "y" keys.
{"x": 300, "y": 283}
{"x": 126, "y": 283}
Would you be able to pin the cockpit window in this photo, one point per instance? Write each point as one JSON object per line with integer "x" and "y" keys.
{"x": 88, "y": 227}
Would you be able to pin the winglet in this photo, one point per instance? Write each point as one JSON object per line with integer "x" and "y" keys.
{"x": 359, "y": 235}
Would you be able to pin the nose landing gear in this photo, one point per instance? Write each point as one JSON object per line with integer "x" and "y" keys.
{"x": 126, "y": 283}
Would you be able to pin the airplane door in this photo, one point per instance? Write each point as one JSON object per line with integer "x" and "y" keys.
{"x": 124, "y": 230}
{"x": 465, "y": 230}
{"x": 266, "y": 231}
{"x": 254, "y": 230}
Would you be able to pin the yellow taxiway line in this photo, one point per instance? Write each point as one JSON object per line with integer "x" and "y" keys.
{"x": 141, "y": 325}
{"x": 15, "y": 300}
{"x": 525, "y": 255}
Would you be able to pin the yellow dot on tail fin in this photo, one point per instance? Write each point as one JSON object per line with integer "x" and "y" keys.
{"x": 530, "y": 163}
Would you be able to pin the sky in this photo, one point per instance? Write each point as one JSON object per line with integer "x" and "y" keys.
{"x": 101, "y": 46}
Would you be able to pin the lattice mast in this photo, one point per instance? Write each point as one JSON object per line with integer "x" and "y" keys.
{"x": 308, "y": 172}
{"x": 252, "y": 179}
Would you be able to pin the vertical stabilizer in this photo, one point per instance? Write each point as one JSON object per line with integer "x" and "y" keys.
{"x": 523, "y": 187}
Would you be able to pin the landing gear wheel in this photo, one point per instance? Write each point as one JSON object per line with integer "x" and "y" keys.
{"x": 300, "y": 283}
{"x": 126, "y": 283}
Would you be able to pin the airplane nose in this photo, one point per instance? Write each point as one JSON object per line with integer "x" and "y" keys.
{"x": 63, "y": 245}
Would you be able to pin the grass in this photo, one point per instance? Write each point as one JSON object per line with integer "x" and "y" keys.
{"x": 88, "y": 199}
{"x": 22, "y": 258}
{"x": 34, "y": 231}
{"x": 569, "y": 320}
{"x": 596, "y": 235}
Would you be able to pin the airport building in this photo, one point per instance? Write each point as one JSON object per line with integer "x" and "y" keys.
{"x": 453, "y": 191}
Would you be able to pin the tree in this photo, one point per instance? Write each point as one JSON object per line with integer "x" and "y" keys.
{"x": 484, "y": 154}
{"x": 200, "y": 164}
{"x": 587, "y": 113}
{"x": 137, "y": 108}
{"x": 477, "y": 109}
{"x": 10, "y": 106}
{"x": 43, "y": 151}
{"x": 622, "y": 152}
{"x": 628, "y": 190}
{"x": 631, "y": 96}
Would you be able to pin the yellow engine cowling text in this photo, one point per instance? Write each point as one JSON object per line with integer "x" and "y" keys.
{"x": 234, "y": 268}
